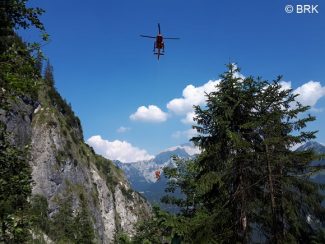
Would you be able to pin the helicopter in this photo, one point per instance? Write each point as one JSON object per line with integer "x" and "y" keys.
{"x": 159, "y": 45}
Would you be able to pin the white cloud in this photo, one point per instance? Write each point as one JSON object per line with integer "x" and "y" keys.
{"x": 189, "y": 118}
{"x": 118, "y": 150}
{"x": 237, "y": 74}
{"x": 285, "y": 85}
{"x": 309, "y": 93}
{"x": 123, "y": 129}
{"x": 188, "y": 134}
{"x": 192, "y": 150}
{"x": 151, "y": 114}
{"x": 191, "y": 96}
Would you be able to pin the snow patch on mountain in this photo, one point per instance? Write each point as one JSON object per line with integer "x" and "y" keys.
{"x": 144, "y": 171}
{"x": 189, "y": 149}
{"x": 312, "y": 145}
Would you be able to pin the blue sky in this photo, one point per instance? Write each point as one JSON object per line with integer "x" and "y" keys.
{"x": 107, "y": 71}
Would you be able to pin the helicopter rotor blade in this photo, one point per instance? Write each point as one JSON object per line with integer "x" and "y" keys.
{"x": 159, "y": 28}
{"x": 147, "y": 36}
{"x": 172, "y": 38}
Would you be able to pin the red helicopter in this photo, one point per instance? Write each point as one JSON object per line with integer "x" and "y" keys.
{"x": 159, "y": 45}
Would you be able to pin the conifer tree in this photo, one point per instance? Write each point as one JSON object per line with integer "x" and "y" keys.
{"x": 292, "y": 202}
{"x": 48, "y": 74}
{"x": 247, "y": 180}
{"x": 227, "y": 166}
{"x": 246, "y": 133}
{"x": 39, "y": 213}
{"x": 62, "y": 226}
{"x": 39, "y": 63}
{"x": 83, "y": 224}
{"x": 183, "y": 177}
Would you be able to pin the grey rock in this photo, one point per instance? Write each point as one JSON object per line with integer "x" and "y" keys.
{"x": 63, "y": 165}
{"x": 17, "y": 118}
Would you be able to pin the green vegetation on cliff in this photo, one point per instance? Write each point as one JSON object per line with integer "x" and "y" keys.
{"x": 15, "y": 189}
{"x": 18, "y": 77}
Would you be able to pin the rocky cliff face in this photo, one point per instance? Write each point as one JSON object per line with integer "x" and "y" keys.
{"x": 64, "y": 166}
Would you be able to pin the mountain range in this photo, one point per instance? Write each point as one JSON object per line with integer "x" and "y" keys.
{"x": 318, "y": 149}
{"x": 141, "y": 174}
{"x": 313, "y": 145}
